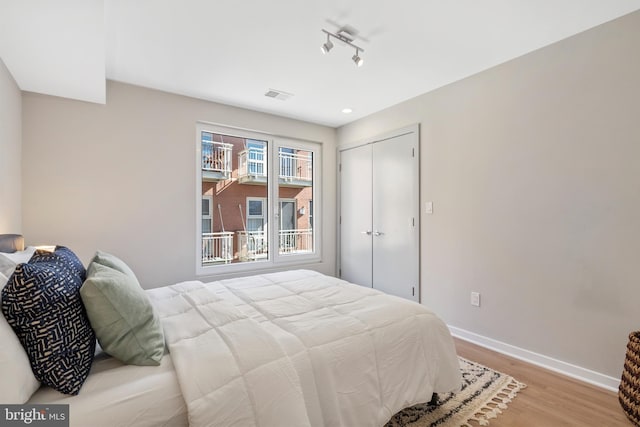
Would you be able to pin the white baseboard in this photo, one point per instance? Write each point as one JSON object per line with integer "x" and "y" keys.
{"x": 564, "y": 368}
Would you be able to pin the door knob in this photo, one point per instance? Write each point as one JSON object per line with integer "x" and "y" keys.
{"x": 378, "y": 233}
{"x": 368, "y": 232}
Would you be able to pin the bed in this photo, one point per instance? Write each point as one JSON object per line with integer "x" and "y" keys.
{"x": 287, "y": 348}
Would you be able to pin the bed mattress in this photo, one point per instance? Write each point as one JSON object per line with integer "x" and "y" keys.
{"x": 290, "y": 348}
{"x": 302, "y": 348}
{"x": 119, "y": 395}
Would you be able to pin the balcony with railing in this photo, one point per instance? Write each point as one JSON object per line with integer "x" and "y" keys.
{"x": 216, "y": 161}
{"x": 294, "y": 169}
{"x": 217, "y": 248}
{"x": 296, "y": 241}
{"x": 252, "y": 245}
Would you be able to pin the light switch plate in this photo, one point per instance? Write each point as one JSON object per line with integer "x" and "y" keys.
{"x": 428, "y": 208}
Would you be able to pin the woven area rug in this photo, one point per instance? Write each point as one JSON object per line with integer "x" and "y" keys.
{"x": 484, "y": 395}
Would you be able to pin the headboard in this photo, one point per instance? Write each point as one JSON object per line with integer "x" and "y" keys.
{"x": 10, "y": 243}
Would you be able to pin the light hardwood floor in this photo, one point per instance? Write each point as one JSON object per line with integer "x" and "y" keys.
{"x": 550, "y": 399}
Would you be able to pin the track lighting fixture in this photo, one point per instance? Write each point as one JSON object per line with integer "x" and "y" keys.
{"x": 327, "y": 46}
{"x": 347, "y": 38}
{"x": 356, "y": 58}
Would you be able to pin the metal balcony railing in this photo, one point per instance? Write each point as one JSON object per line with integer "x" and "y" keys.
{"x": 217, "y": 247}
{"x": 252, "y": 245}
{"x": 252, "y": 162}
{"x": 295, "y": 166}
{"x": 295, "y": 241}
{"x": 216, "y": 157}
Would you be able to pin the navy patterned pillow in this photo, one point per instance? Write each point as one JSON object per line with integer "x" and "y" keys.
{"x": 42, "y": 304}
{"x": 64, "y": 256}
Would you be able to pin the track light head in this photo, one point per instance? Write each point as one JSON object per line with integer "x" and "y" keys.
{"x": 357, "y": 59}
{"x": 327, "y": 46}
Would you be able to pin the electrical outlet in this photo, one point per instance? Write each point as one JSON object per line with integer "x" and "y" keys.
{"x": 475, "y": 299}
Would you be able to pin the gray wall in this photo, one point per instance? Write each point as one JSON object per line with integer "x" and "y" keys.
{"x": 121, "y": 177}
{"x": 10, "y": 153}
{"x": 534, "y": 170}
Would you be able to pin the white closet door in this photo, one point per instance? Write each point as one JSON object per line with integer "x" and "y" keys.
{"x": 355, "y": 226}
{"x": 395, "y": 216}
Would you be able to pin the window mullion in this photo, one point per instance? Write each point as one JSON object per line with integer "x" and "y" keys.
{"x": 274, "y": 217}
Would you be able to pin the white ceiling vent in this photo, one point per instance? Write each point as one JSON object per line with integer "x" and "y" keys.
{"x": 278, "y": 94}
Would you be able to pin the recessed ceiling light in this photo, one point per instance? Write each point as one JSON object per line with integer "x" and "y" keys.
{"x": 347, "y": 110}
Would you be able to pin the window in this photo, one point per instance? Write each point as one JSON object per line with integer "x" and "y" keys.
{"x": 255, "y": 214}
{"x": 295, "y": 189}
{"x": 257, "y": 157}
{"x": 207, "y": 214}
{"x": 259, "y": 189}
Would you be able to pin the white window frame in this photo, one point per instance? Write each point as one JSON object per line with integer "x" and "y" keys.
{"x": 315, "y": 149}
{"x": 275, "y": 259}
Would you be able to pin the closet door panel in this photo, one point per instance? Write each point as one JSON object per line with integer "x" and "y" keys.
{"x": 394, "y": 210}
{"x": 355, "y": 206}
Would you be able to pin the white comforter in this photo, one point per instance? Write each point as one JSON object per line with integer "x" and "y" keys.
{"x": 299, "y": 348}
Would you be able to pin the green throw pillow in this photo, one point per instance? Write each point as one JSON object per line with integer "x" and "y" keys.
{"x": 122, "y": 316}
{"x": 114, "y": 262}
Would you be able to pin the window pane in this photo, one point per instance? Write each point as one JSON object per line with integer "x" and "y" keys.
{"x": 234, "y": 176}
{"x": 255, "y": 224}
{"x": 295, "y": 192}
{"x": 287, "y": 215}
{"x": 206, "y": 207}
{"x": 255, "y": 207}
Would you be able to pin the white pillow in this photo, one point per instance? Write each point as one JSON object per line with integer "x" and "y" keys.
{"x": 8, "y": 261}
{"x": 18, "y": 381}
{"x": 20, "y": 256}
{"x": 6, "y": 269}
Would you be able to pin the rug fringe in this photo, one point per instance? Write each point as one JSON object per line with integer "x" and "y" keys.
{"x": 484, "y": 394}
{"x": 500, "y": 401}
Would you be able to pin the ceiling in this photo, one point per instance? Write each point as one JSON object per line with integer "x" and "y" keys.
{"x": 233, "y": 52}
